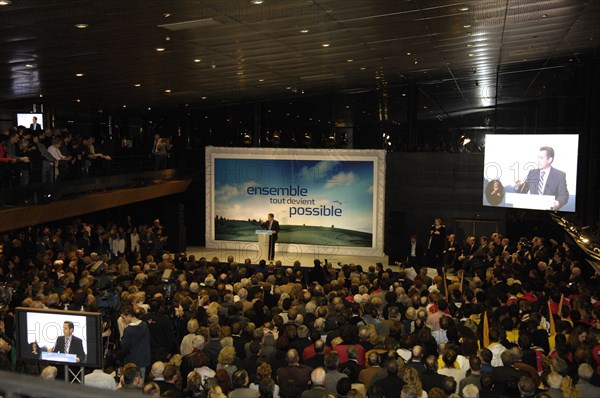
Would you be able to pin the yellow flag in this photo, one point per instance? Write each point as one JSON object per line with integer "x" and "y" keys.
{"x": 486, "y": 330}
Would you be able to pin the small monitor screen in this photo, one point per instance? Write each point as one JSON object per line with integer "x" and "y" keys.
{"x": 27, "y": 120}
{"x": 59, "y": 336}
{"x": 531, "y": 171}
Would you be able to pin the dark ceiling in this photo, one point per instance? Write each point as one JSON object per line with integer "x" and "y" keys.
{"x": 218, "y": 50}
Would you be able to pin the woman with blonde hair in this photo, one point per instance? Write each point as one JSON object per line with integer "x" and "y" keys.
{"x": 226, "y": 360}
{"x": 412, "y": 378}
{"x": 186, "y": 343}
{"x": 216, "y": 392}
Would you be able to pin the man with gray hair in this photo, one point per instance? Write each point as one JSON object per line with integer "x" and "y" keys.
{"x": 554, "y": 382}
{"x": 526, "y": 387}
{"x": 352, "y": 368}
{"x": 507, "y": 372}
{"x": 318, "y": 378}
{"x": 470, "y": 391}
{"x": 196, "y": 359}
{"x": 585, "y": 388}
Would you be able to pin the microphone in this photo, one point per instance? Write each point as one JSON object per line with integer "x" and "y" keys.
{"x": 524, "y": 185}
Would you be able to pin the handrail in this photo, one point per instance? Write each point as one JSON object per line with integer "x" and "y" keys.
{"x": 123, "y": 171}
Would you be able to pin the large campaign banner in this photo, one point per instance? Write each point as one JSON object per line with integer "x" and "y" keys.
{"x": 326, "y": 201}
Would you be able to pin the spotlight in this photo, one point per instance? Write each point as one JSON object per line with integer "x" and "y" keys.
{"x": 464, "y": 140}
{"x": 276, "y": 137}
{"x": 330, "y": 140}
{"x": 247, "y": 138}
{"x": 307, "y": 139}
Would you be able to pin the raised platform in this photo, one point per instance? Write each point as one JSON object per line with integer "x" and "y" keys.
{"x": 288, "y": 258}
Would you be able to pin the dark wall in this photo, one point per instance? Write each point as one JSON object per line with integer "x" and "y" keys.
{"x": 422, "y": 186}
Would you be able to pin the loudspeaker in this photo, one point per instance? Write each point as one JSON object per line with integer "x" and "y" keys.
{"x": 174, "y": 222}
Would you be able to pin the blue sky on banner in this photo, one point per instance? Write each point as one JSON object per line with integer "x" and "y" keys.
{"x": 251, "y": 188}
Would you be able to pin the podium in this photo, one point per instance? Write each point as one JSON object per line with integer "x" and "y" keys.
{"x": 264, "y": 236}
{"x": 536, "y": 202}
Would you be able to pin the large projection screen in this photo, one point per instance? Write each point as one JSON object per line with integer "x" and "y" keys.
{"x": 327, "y": 202}
{"x": 531, "y": 171}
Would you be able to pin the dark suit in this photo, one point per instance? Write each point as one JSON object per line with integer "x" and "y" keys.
{"x": 299, "y": 374}
{"x": 352, "y": 368}
{"x": 272, "y": 238}
{"x": 391, "y": 385}
{"x": 431, "y": 380}
{"x": 556, "y": 184}
{"x": 502, "y": 374}
{"x": 37, "y": 127}
{"x": 76, "y": 347}
{"x": 416, "y": 260}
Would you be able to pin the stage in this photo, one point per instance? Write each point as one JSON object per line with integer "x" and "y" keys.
{"x": 306, "y": 258}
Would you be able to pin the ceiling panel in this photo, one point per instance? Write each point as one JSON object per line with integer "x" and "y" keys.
{"x": 460, "y": 43}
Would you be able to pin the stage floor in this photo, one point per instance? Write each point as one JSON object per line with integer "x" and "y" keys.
{"x": 287, "y": 258}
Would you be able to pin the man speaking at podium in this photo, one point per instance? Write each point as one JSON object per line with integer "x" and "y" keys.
{"x": 69, "y": 344}
{"x": 272, "y": 225}
{"x": 546, "y": 180}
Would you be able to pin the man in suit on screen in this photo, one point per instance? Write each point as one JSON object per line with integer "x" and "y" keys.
{"x": 546, "y": 180}
{"x": 272, "y": 225}
{"x": 35, "y": 126}
{"x": 69, "y": 344}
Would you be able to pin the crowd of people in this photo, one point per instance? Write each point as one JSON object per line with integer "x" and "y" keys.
{"x": 520, "y": 321}
{"x": 31, "y": 158}
{"x": 50, "y": 155}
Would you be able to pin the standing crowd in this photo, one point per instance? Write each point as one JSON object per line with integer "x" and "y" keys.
{"x": 518, "y": 321}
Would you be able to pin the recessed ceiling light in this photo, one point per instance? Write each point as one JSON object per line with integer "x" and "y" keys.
{"x": 160, "y": 49}
{"x": 471, "y": 54}
{"x": 197, "y": 60}
{"x": 416, "y": 62}
{"x": 78, "y": 100}
{"x": 5, "y": 2}
{"x": 469, "y": 45}
{"x": 544, "y": 15}
{"x": 204, "y": 98}
{"x": 261, "y": 80}
{"x": 466, "y": 26}
{"x": 304, "y": 31}
{"x": 349, "y": 60}
{"x": 240, "y": 73}
{"x": 29, "y": 65}
{"x": 363, "y": 68}
{"x": 408, "y": 53}
{"x": 137, "y": 85}
{"x": 124, "y": 106}
{"x": 168, "y": 90}
{"x": 463, "y": 9}
{"x": 167, "y": 14}
{"x": 325, "y": 44}
{"x": 257, "y": 2}
{"x": 149, "y": 108}
{"x": 41, "y": 95}
{"x": 79, "y": 74}
{"x": 81, "y": 25}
